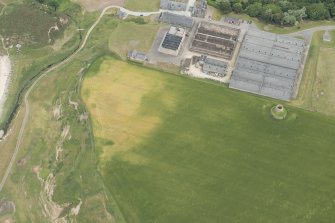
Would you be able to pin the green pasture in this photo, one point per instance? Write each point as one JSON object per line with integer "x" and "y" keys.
{"x": 213, "y": 155}
{"x": 129, "y": 35}
{"x": 143, "y": 5}
{"x": 316, "y": 89}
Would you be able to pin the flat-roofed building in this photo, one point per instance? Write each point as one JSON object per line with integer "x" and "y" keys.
{"x": 214, "y": 67}
{"x": 172, "y": 41}
{"x": 176, "y": 5}
{"x": 327, "y": 37}
{"x": 215, "y": 40}
{"x": 176, "y": 20}
{"x": 138, "y": 56}
{"x": 268, "y": 64}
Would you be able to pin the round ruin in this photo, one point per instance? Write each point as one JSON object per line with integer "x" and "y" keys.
{"x": 279, "y": 112}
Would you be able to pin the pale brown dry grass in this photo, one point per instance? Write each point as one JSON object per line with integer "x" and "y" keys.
{"x": 114, "y": 97}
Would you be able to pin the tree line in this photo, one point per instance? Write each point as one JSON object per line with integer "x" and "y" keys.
{"x": 284, "y": 12}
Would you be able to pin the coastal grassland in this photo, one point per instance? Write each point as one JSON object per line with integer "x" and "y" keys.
{"x": 143, "y": 5}
{"x": 29, "y": 26}
{"x": 175, "y": 149}
{"x": 50, "y": 151}
{"x": 130, "y": 35}
{"x": 316, "y": 89}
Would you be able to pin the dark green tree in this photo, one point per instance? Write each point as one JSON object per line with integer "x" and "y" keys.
{"x": 237, "y": 7}
{"x": 224, "y": 5}
{"x": 254, "y": 10}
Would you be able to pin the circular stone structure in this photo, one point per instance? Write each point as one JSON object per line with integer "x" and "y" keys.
{"x": 278, "y": 112}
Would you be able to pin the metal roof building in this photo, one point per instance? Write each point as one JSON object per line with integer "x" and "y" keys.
{"x": 172, "y": 41}
{"x": 173, "y": 5}
{"x": 176, "y": 20}
{"x": 214, "y": 66}
{"x": 327, "y": 37}
{"x": 268, "y": 65}
{"x": 135, "y": 55}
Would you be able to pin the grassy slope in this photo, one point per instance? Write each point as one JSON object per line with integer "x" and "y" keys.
{"x": 215, "y": 155}
{"x": 143, "y": 5}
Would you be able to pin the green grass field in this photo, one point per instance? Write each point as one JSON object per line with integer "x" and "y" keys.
{"x": 143, "y": 5}
{"x": 174, "y": 149}
{"x": 316, "y": 89}
{"x": 129, "y": 36}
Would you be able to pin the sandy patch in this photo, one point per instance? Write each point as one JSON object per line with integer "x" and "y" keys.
{"x": 5, "y": 71}
{"x": 95, "y": 5}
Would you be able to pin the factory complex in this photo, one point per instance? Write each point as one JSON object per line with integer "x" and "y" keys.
{"x": 230, "y": 51}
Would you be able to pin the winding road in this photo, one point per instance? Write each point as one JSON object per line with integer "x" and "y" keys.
{"x": 307, "y": 33}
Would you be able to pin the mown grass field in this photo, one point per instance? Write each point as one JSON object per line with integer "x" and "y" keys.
{"x": 130, "y": 35}
{"x": 174, "y": 149}
{"x": 143, "y": 5}
{"x": 324, "y": 94}
{"x": 316, "y": 91}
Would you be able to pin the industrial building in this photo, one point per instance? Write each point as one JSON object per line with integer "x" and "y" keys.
{"x": 176, "y": 20}
{"x": 214, "y": 67}
{"x": 172, "y": 41}
{"x": 200, "y": 9}
{"x": 176, "y": 5}
{"x": 215, "y": 40}
{"x": 269, "y": 65}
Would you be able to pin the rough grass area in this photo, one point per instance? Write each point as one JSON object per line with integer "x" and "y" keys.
{"x": 28, "y": 24}
{"x": 130, "y": 35}
{"x": 182, "y": 150}
{"x": 142, "y": 5}
{"x": 316, "y": 91}
{"x": 76, "y": 192}
{"x": 41, "y": 45}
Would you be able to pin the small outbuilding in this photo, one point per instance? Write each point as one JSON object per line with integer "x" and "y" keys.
{"x": 327, "y": 37}
{"x": 138, "y": 56}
